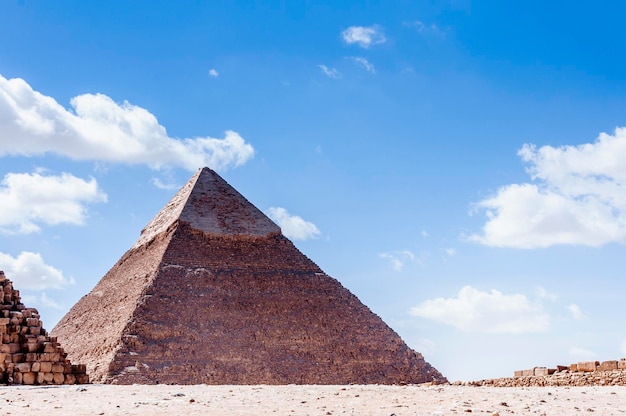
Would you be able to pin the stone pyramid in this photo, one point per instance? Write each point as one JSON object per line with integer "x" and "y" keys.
{"x": 213, "y": 293}
{"x": 27, "y": 354}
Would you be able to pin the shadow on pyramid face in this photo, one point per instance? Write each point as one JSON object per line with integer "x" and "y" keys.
{"x": 213, "y": 293}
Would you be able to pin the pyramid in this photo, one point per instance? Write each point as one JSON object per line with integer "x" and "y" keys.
{"x": 28, "y": 355}
{"x": 213, "y": 293}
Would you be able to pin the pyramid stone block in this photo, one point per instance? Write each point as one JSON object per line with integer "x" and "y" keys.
{"x": 213, "y": 293}
{"x": 27, "y": 354}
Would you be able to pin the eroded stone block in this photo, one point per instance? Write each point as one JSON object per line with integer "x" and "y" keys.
{"x": 588, "y": 366}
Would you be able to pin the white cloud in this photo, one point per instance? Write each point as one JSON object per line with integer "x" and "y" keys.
{"x": 576, "y": 312}
{"x": 578, "y": 198}
{"x": 450, "y": 252}
{"x": 329, "y": 72}
{"x": 165, "y": 186}
{"x": 582, "y": 353}
{"x": 30, "y": 271}
{"x": 364, "y": 63}
{"x": 425, "y": 234}
{"x": 364, "y": 36}
{"x": 213, "y": 73}
{"x": 397, "y": 259}
{"x": 99, "y": 129}
{"x": 28, "y": 199}
{"x": 482, "y": 312}
{"x": 293, "y": 226}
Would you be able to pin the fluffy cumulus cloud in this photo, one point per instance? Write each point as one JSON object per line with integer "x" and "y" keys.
{"x": 398, "y": 259}
{"x": 364, "y": 63}
{"x": 363, "y": 36}
{"x": 213, "y": 73}
{"x": 577, "y": 196}
{"x": 293, "y": 226}
{"x": 98, "y": 128}
{"x": 30, "y": 271}
{"x": 32, "y": 199}
{"x": 485, "y": 312}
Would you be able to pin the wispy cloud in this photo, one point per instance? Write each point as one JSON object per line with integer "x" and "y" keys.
{"x": 577, "y": 197}
{"x": 293, "y": 226}
{"x": 165, "y": 186}
{"x": 99, "y": 129}
{"x": 582, "y": 353}
{"x": 576, "y": 313}
{"x": 364, "y": 36}
{"x": 398, "y": 259}
{"x": 363, "y": 63}
{"x": 485, "y": 312}
{"x": 544, "y": 294}
{"x": 213, "y": 73}
{"x": 426, "y": 29}
{"x": 31, "y": 199}
{"x": 40, "y": 301}
{"x": 29, "y": 271}
{"x": 329, "y": 72}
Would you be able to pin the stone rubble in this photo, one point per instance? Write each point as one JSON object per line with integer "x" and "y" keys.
{"x": 584, "y": 373}
{"x": 27, "y": 354}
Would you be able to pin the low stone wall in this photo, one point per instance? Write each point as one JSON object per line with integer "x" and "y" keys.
{"x": 589, "y": 373}
{"x": 27, "y": 354}
{"x": 583, "y": 366}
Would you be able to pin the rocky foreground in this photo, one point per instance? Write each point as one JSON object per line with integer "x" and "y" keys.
{"x": 98, "y": 399}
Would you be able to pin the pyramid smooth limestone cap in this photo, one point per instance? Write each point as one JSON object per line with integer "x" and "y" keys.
{"x": 209, "y": 204}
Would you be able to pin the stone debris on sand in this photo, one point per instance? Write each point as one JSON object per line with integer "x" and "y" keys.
{"x": 586, "y": 373}
{"x": 311, "y": 400}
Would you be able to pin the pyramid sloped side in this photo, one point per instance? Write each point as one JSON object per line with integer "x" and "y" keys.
{"x": 254, "y": 310}
{"x": 91, "y": 331}
{"x": 169, "y": 214}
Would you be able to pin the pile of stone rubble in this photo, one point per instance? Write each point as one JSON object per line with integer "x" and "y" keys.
{"x": 27, "y": 354}
{"x": 587, "y": 373}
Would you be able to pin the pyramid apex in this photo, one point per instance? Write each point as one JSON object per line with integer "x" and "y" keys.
{"x": 209, "y": 204}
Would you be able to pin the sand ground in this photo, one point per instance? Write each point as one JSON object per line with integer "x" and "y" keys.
{"x": 98, "y": 399}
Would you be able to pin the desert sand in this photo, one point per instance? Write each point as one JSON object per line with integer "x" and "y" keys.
{"x": 97, "y": 399}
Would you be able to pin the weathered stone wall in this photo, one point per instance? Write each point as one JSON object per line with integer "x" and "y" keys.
{"x": 27, "y": 354}
{"x": 565, "y": 378}
{"x": 584, "y": 373}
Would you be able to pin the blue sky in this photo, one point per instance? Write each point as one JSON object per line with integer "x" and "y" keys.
{"x": 460, "y": 166}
